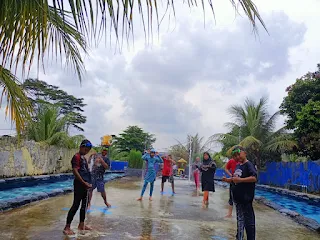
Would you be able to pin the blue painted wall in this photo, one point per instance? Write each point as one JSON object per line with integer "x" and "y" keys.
{"x": 118, "y": 166}
{"x": 281, "y": 174}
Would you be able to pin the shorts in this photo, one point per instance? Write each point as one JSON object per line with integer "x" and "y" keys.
{"x": 99, "y": 184}
{"x": 169, "y": 178}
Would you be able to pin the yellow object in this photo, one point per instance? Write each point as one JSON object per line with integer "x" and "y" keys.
{"x": 106, "y": 140}
{"x": 180, "y": 171}
{"x": 182, "y": 161}
{"x": 181, "y": 166}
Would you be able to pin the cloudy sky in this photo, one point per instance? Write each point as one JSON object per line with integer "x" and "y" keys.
{"x": 184, "y": 82}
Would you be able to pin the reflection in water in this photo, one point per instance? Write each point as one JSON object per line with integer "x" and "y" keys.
{"x": 146, "y": 226}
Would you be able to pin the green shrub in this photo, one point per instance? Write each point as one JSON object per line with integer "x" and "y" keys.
{"x": 135, "y": 159}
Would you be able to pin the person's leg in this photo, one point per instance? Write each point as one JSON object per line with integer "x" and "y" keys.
{"x": 240, "y": 222}
{"x": 151, "y": 190}
{"x": 74, "y": 208}
{"x": 100, "y": 188}
{"x": 230, "y": 203}
{"x": 162, "y": 183}
{"x": 205, "y": 198}
{"x": 249, "y": 221}
{"x": 143, "y": 190}
{"x": 83, "y": 209}
{"x": 172, "y": 186}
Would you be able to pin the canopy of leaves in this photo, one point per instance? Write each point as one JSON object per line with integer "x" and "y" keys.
{"x": 50, "y": 127}
{"x": 300, "y": 93}
{"x": 40, "y": 92}
{"x": 134, "y": 138}
{"x": 308, "y": 129}
{"x": 254, "y": 129}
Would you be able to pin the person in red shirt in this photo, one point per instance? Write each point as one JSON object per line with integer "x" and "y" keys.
{"x": 229, "y": 169}
{"x": 167, "y": 172}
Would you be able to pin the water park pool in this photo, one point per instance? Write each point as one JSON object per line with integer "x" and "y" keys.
{"x": 303, "y": 207}
{"x": 21, "y": 195}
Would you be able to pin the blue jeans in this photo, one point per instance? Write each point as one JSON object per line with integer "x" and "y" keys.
{"x": 245, "y": 221}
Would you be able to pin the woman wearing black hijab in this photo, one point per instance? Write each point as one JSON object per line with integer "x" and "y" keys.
{"x": 208, "y": 169}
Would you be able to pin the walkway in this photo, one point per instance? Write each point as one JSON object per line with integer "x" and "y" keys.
{"x": 178, "y": 217}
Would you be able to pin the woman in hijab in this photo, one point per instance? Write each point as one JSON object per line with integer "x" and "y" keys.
{"x": 208, "y": 169}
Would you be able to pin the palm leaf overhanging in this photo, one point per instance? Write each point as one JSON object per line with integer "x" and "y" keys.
{"x": 30, "y": 28}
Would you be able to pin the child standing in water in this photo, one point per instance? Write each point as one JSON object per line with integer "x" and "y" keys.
{"x": 82, "y": 184}
{"x": 196, "y": 174}
{"x": 208, "y": 169}
{"x": 150, "y": 176}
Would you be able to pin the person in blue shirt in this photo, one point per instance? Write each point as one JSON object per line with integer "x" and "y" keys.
{"x": 151, "y": 159}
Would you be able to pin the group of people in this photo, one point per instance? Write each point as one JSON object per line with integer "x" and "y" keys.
{"x": 242, "y": 177}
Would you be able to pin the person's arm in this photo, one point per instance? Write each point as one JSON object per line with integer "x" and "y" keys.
{"x": 75, "y": 167}
{"x": 104, "y": 164}
{"x": 159, "y": 159}
{"x": 250, "y": 179}
{"x": 228, "y": 180}
{"x": 226, "y": 169}
{"x": 145, "y": 156}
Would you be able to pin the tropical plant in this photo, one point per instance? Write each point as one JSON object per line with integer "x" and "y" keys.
{"x": 30, "y": 28}
{"x": 134, "y": 138}
{"x": 302, "y": 108}
{"x": 254, "y": 129}
{"x": 182, "y": 150}
{"x": 39, "y": 92}
{"x": 51, "y": 128}
{"x": 135, "y": 159}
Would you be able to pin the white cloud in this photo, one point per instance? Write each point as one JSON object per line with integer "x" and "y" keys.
{"x": 185, "y": 82}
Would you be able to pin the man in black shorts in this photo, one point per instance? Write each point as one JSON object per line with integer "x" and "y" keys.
{"x": 167, "y": 172}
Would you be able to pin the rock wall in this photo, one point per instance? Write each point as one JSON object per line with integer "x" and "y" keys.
{"x": 29, "y": 158}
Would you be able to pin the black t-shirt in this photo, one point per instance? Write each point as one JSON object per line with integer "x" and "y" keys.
{"x": 244, "y": 192}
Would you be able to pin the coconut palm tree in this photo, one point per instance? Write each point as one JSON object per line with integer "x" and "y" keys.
{"x": 50, "y": 127}
{"x": 33, "y": 30}
{"x": 182, "y": 150}
{"x": 254, "y": 129}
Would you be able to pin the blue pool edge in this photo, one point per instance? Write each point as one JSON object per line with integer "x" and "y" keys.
{"x": 37, "y": 196}
{"x": 298, "y": 218}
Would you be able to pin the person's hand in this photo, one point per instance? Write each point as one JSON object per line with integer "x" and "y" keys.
{"x": 236, "y": 179}
{"x": 87, "y": 185}
{"x": 224, "y": 179}
{"x": 157, "y": 153}
{"x": 148, "y": 151}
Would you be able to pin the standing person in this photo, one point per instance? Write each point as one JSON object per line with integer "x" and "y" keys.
{"x": 101, "y": 164}
{"x": 167, "y": 173}
{"x": 229, "y": 169}
{"x": 196, "y": 174}
{"x": 244, "y": 179}
{"x": 150, "y": 176}
{"x": 82, "y": 184}
{"x": 208, "y": 169}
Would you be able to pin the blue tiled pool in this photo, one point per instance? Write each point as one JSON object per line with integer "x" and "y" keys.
{"x": 304, "y": 208}
{"x": 28, "y": 193}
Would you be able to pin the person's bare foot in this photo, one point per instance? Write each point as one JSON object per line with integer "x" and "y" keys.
{"x": 68, "y": 231}
{"x": 139, "y": 199}
{"x": 89, "y": 206}
{"x": 150, "y": 198}
{"x": 107, "y": 204}
{"x": 83, "y": 227}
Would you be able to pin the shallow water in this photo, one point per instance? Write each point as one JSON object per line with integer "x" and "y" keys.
{"x": 308, "y": 210}
{"x": 166, "y": 217}
{"x": 11, "y": 194}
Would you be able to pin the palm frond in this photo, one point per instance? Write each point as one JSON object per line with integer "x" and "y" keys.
{"x": 17, "y": 107}
{"x": 281, "y": 143}
{"x": 249, "y": 141}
